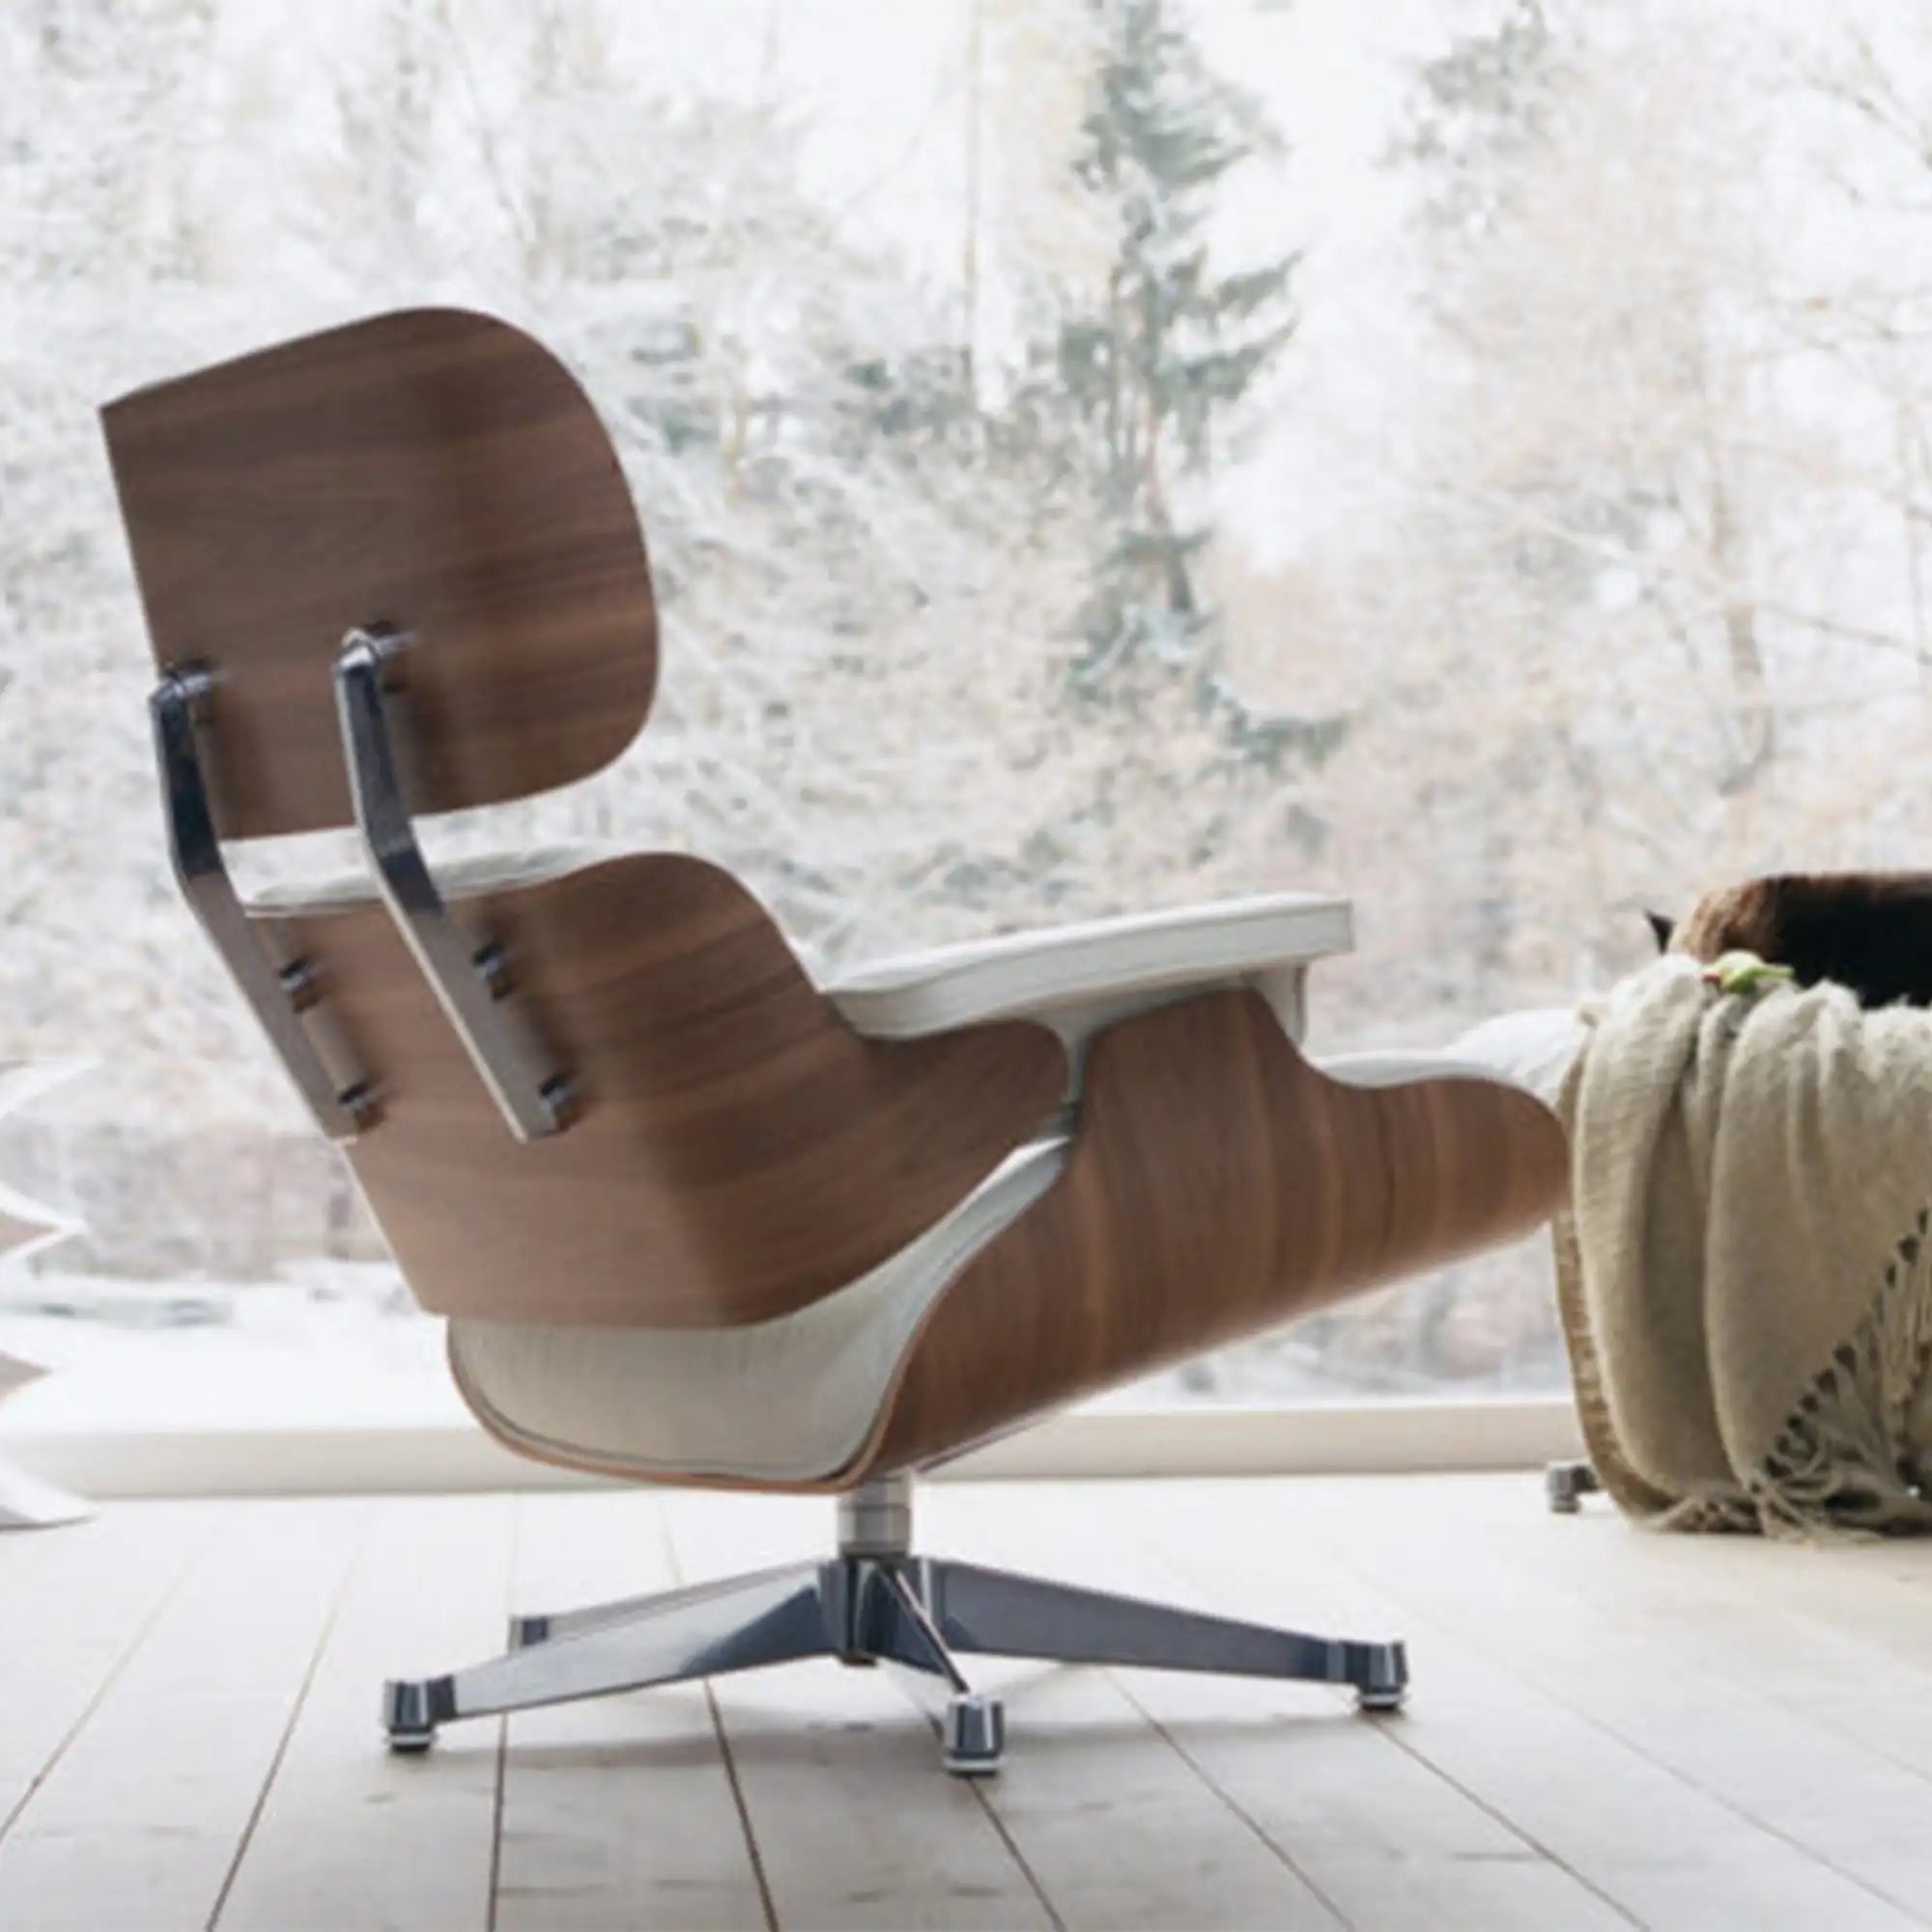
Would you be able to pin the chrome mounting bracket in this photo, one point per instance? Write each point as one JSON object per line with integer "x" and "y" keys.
{"x": 279, "y": 994}
{"x": 472, "y": 983}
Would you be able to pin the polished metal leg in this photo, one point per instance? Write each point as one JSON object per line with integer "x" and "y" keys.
{"x": 528, "y": 1629}
{"x": 767, "y": 1619}
{"x": 973, "y": 1733}
{"x": 995, "y": 1613}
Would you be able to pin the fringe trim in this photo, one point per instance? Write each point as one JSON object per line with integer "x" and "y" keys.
{"x": 1842, "y": 1465}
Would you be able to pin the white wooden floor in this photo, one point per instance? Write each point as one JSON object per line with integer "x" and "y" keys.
{"x": 1606, "y": 1728}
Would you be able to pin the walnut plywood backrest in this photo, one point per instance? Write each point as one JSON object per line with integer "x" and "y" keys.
{"x": 431, "y": 470}
{"x": 604, "y": 1093}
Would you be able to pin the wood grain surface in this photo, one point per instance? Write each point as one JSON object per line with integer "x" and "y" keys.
{"x": 431, "y": 470}
{"x": 739, "y": 1151}
{"x": 1219, "y": 1186}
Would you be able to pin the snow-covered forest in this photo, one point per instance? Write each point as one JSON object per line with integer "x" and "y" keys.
{"x": 1475, "y": 455}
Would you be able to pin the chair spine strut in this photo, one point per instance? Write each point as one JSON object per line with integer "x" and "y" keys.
{"x": 472, "y": 982}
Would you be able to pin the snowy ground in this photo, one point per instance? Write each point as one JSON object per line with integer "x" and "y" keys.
{"x": 339, "y": 1347}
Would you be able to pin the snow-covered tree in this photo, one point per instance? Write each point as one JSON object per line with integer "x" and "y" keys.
{"x": 1159, "y": 359}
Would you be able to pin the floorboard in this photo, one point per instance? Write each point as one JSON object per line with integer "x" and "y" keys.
{"x": 1606, "y": 1728}
{"x": 854, "y": 1822}
{"x": 1386, "y": 1841}
{"x": 618, "y": 1812}
{"x": 1662, "y": 1687}
{"x": 1645, "y": 1837}
{"x": 74, "y": 1605}
{"x": 348, "y": 1835}
{"x": 138, "y": 1821}
{"x": 1791, "y": 1647}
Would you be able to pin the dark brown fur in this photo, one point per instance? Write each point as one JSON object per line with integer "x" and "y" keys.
{"x": 1868, "y": 932}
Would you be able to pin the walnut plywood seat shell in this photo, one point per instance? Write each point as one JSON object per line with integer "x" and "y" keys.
{"x": 741, "y": 1151}
{"x": 1209, "y": 1151}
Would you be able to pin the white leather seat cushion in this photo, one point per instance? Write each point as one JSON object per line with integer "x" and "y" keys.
{"x": 1535, "y": 1048}
{"x": 790, "y": 1400}
{"x": 1077, "y": 977}
{"x": 1399, "y": 1069}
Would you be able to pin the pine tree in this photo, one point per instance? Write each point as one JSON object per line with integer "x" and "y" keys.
{"x": 1482, "y": 108}
{"x": 1159, "y": 367}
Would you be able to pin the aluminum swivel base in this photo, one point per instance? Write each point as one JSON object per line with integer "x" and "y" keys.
{"x": 873, "y": 1603}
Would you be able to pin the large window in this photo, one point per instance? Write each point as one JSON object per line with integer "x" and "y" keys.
{"x": 1475, "y": 457}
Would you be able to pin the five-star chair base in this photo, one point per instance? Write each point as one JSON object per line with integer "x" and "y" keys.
{"x": 874, "y": 1602}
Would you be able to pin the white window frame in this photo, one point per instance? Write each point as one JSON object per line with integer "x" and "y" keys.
{"x": 1311, "y": 1438}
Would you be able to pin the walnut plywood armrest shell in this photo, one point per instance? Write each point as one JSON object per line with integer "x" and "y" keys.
{"x": 740, "y": 1151}
{"x": 1219, "y": 1184}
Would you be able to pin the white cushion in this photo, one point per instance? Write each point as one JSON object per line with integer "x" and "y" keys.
{"x": 790, "y": 1400}
{"x": 1399, "y": 1069}
{"x": 1079, "y": 978}
{"x": 455, "y": 879}
{"x": 1535, "y": 1048}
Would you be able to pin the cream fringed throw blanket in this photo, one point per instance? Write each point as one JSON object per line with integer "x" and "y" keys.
{"x": 1745, "y": 1267}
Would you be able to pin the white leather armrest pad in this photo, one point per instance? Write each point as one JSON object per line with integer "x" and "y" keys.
{"x": 1027, "y": 974}
{"x": 1532, "y": 1050}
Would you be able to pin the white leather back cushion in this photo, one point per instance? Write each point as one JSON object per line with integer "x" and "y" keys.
{"x": 790, "y": 1400}
{"x": 455, "y": 879}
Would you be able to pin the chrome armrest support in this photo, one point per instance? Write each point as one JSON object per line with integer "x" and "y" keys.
{"x": 279, "y": 994}
{"x": 472, "y": 983}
